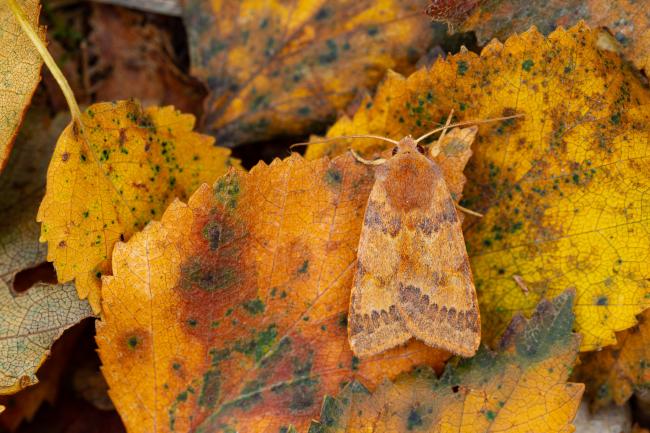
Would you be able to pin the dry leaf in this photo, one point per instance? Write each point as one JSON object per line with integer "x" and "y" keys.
{"x": 452, "y": 12}
{"x": 287, "y": 67}
{"x": 614, "y": 373}
{"x": 108, "y": 180}
{"x": 22, "y": 185}
{"x": 231, "y": 312}
{"x": 131, "y": 47}
{"x": 522, "y": 388}
{"x": 612, "y": 419}
{"x": 24, "y": 405}
{"x": 562, "y": 189}
{"x": 30, "y": 322}
{"x": 627, "y": 20}
{"x": 20, "y": 72}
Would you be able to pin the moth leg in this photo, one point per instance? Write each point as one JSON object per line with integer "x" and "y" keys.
{"x": 362, "y": 160}
{"x": 468, "y": 211}
{"x": 435, "y": 149}
{"x": 521, "y": 283}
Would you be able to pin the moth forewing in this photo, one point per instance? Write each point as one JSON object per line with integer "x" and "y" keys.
{"x": 413, "y": 277}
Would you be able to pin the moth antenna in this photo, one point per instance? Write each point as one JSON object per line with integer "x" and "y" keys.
{"x": 362, "y": 160}
{"x": 325, "y": 140}
{"x": 435, "y": 150}
{"x": 468, "y": 211}
{"x": 468, "y": 122}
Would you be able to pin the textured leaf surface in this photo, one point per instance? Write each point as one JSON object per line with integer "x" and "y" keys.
{"x": 230, "y": 314}
{"x": 627, "y": 20}
{"x": 22, "y": 186}
{"x": 30, "y": 322}
{"x": 522, "y": 388}
{"x": 24, "y": 405}
{"x": 110, "y": 178}
{"x": 20, "y": 72}
{"x": 562, "y": 189}
{"x": 282, "y": 67}
{"x": 614, "y": 373}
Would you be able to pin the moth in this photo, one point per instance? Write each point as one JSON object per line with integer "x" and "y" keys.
{"x": 413, "y": 277}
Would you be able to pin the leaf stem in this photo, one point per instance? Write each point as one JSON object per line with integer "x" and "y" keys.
{"x": 48, "y": 59}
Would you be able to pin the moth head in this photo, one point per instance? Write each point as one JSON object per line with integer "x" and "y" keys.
{"x": 408, "y": 145}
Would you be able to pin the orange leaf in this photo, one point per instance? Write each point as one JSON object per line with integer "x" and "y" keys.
{"x": 231, "y": 312}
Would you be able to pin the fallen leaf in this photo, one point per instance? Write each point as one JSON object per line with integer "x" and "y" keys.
{"x": 30, "y": 322}
{"x": 452, "y": 12}
{"x": 138, "y": 49}
{"x": 614, "y": 373}
{"x": 612, "y": 419}
{"x": 231, "y": 312}
{"x": 20, "y": 69}
{"x": 22, "y": 185}
{"x": 627, "y": 20}
{"x": 110, "y": 178}
{"x": 521, "y": 388}
{"x": 562, "y": 188}
{"x": 287, "y": 67}
{"x": 636, "y": 428}
{"x": 23, "y": 406}
{"x": 166, "y": 7}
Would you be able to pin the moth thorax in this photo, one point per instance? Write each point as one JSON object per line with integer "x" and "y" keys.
{"x": 407, "y": 143}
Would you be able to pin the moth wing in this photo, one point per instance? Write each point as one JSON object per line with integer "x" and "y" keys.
{"x": 436, "y": 298}
{"x": 374, "y": 324}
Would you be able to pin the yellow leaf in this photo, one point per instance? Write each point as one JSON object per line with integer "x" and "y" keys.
{"x": 615, "y": 372}
{"x": 20, "y": 72}
{"x": 230, "y": 313}
{"x": 627, "y": 20}
{"x": 109, "y": 178}
{"x": 562, "y": 189}
{"x": 283, "y": 67}
{"x": 522, "y": 388}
